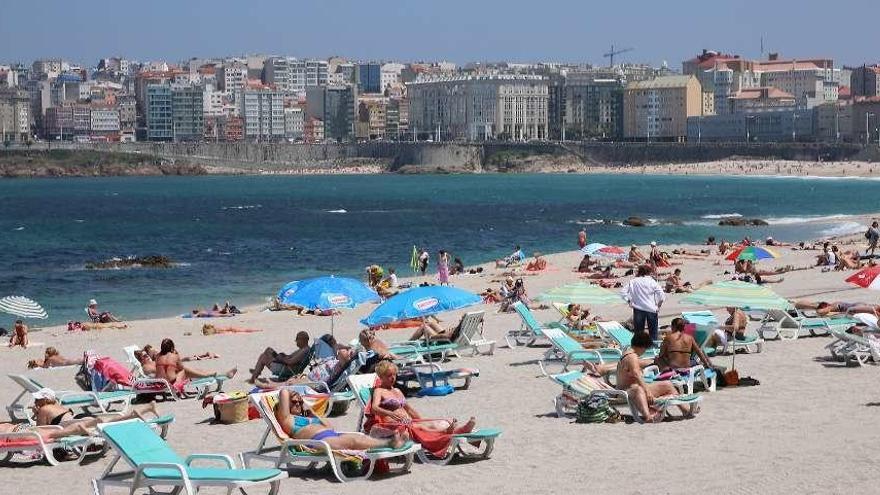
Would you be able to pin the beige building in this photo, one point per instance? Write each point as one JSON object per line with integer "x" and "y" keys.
{"x": 478, "y": 107}
{"x": 658, "y": 109}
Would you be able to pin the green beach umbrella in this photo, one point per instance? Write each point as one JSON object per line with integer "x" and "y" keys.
{"x": 581, "y": 293}
{"x": 738, "y": 295}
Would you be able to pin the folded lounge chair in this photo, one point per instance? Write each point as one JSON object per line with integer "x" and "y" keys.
{"x": 363, "y": 385}
{"x": 782, "y": 325}
{"x": 569, "y": 351}
{"x": 577, "y": 386}
{"x": 853, "y": 348}
{"x": 530, "y": 331}
{"x": 143, "y": 384}
{"x": 313, "y": 452}
{"x": 83, "y": 400}
{"x": 429, "y": 374}
{"x": 154, "y": 463}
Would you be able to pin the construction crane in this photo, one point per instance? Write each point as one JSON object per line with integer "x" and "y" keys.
{"x": 610, "y": 55}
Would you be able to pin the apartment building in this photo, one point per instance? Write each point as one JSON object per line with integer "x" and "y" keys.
{"x": 658, "y": 109}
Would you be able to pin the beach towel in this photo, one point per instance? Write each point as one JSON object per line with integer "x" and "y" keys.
{"x": 108, "y": 370}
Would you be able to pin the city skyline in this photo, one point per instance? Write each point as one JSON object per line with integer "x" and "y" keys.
{"x": 458, "y": 31}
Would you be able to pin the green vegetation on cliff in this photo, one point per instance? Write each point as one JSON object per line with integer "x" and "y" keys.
{"x": 84, "y": 163}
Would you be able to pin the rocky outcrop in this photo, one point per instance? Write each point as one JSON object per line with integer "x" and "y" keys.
{"x": 634, "y": 222}
{"x": 67, "y": 163}
{"x": 741, "y": 222}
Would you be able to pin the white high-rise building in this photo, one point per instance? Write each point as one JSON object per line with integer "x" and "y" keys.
{"x": 263, "y": 114}
{"x": 389, "y": 74}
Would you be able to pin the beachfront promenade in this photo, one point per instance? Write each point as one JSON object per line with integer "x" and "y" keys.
{"x": 805, "y": 429}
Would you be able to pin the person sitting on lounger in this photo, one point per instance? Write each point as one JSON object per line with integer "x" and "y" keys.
{"x": 434, "y": 331}
{"x": 733, "y": 327}
{"x": 631, "y": 379}
{"x": 371, "y": 342}
{"x": 391, "y": 413}
{"x": 578, "y": 317}
{"x": 299, "y": 423}
{"x": 678, "y": 350}
{"x": 849, "y": 260}
{"x": 100, "y": 316}
{"x": 278, "y": 362}
{"x": 52, "y": 358}
{"x": 723, "y": 247}
{"x": 170, "y": 367}
{"x": 514, "y": 258}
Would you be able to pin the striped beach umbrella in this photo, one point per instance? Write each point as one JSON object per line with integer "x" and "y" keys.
{"x": 22, "y": 307}
{"x": 738, "y": 295}
{"x": 599, "y": 249}
{"x": 752, "y": 253}
{"x": 581, "y": 293}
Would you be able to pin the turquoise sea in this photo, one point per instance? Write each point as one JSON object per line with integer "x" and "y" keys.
{"x": 240, "y": 238}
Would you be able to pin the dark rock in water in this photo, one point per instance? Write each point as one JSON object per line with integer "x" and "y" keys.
{"x": 131, "y": 262}
{"x": 634, "y": 222}
{"x": 608, "y": 221}
{"x": 741, "y": 222}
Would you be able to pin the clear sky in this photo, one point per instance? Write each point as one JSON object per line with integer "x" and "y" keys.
{"x": 457, "y": 30}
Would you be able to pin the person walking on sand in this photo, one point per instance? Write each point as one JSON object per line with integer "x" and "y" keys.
{"x": 873, "y": 236}
{"x": 582, "y": 238}
{"x": 645, "y": 296}
{"x": 443, "y": 267}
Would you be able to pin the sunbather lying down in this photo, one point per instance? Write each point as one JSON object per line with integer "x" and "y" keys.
{"x": 51, "y": 359}
{"x": 208, "y": 329}
{"x": 824, "y": 308}
{"x": 298, "y": 423}
{"x": 47, "y": 411}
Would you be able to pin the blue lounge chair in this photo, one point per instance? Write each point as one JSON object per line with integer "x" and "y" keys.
{"x": 530, "y": 331}
{"x": 76, "y": 399}
{"x": 569, "y": 351}
{"x": 154, "y": 463}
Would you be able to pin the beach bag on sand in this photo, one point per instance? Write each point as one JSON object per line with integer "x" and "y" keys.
{"x": 596, "y": 410}
{"x": 729, "y": 378}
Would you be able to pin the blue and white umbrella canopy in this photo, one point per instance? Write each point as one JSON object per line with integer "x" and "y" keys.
{"x": 421, "y": 302}
{"x": 327, "y": 293}
{"x": 22, "y": 307}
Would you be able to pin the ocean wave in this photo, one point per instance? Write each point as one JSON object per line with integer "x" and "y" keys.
{"x": 845, "y": 228}
{"x": 805, "y": 219}
{"x": 719, "y": 216}
{"x": 341, "y": 210}
{"x": 18, "y": 229}
{"x": 815, "y": 177}
{"x": 241, "y": 207}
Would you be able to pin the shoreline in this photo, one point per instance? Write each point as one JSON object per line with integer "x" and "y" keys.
{"x": 489, "y": 268}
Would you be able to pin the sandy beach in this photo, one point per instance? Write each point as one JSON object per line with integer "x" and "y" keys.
{"x": 805, "y": 429}
{"x": 782, "y": 168}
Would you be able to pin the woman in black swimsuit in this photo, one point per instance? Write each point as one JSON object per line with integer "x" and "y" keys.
{"x": 47, "y": 411}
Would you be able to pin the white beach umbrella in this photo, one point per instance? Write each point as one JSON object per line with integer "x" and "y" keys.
{"x": 22, "y": 307}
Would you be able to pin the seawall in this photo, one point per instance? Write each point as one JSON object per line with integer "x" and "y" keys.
{"x": 423, "y": 157}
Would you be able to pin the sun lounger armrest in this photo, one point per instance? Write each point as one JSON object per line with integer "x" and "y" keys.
{"x": 71, "y": 393}
{"x": 216, "y": 457}
{"x": 139, "y": 472}
{"x": 585, "y": 354}
{"x": 610, "y": 394}
{"x": 425, "y": 367}
{"x": 320, "y": 387}
{"x": 651, "y": 371}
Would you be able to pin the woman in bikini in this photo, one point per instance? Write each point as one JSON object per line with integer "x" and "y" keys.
{"x": 48, "y": 411}
{"x": 390, "y": 412}
{"x": 298, "y": 423}
{"x": 169, "y": 366}
{"x": 678, "y": 349}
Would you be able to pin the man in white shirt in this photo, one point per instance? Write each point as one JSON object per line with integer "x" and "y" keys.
{"x": 645, "y": 296}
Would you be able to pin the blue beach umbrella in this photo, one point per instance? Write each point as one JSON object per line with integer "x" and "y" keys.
{"x": 421, "y": 302}
{"x": 323, "y": 293}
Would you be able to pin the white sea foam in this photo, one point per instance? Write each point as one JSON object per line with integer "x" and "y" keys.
{"x": 845, "y": 228}
{"x": 18, "y": 228}
{"x": 341, "y": 210}
{"x": 241, "y": 207}
{"x": 805, "y": 219}
{"x": 722, "y": 215}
